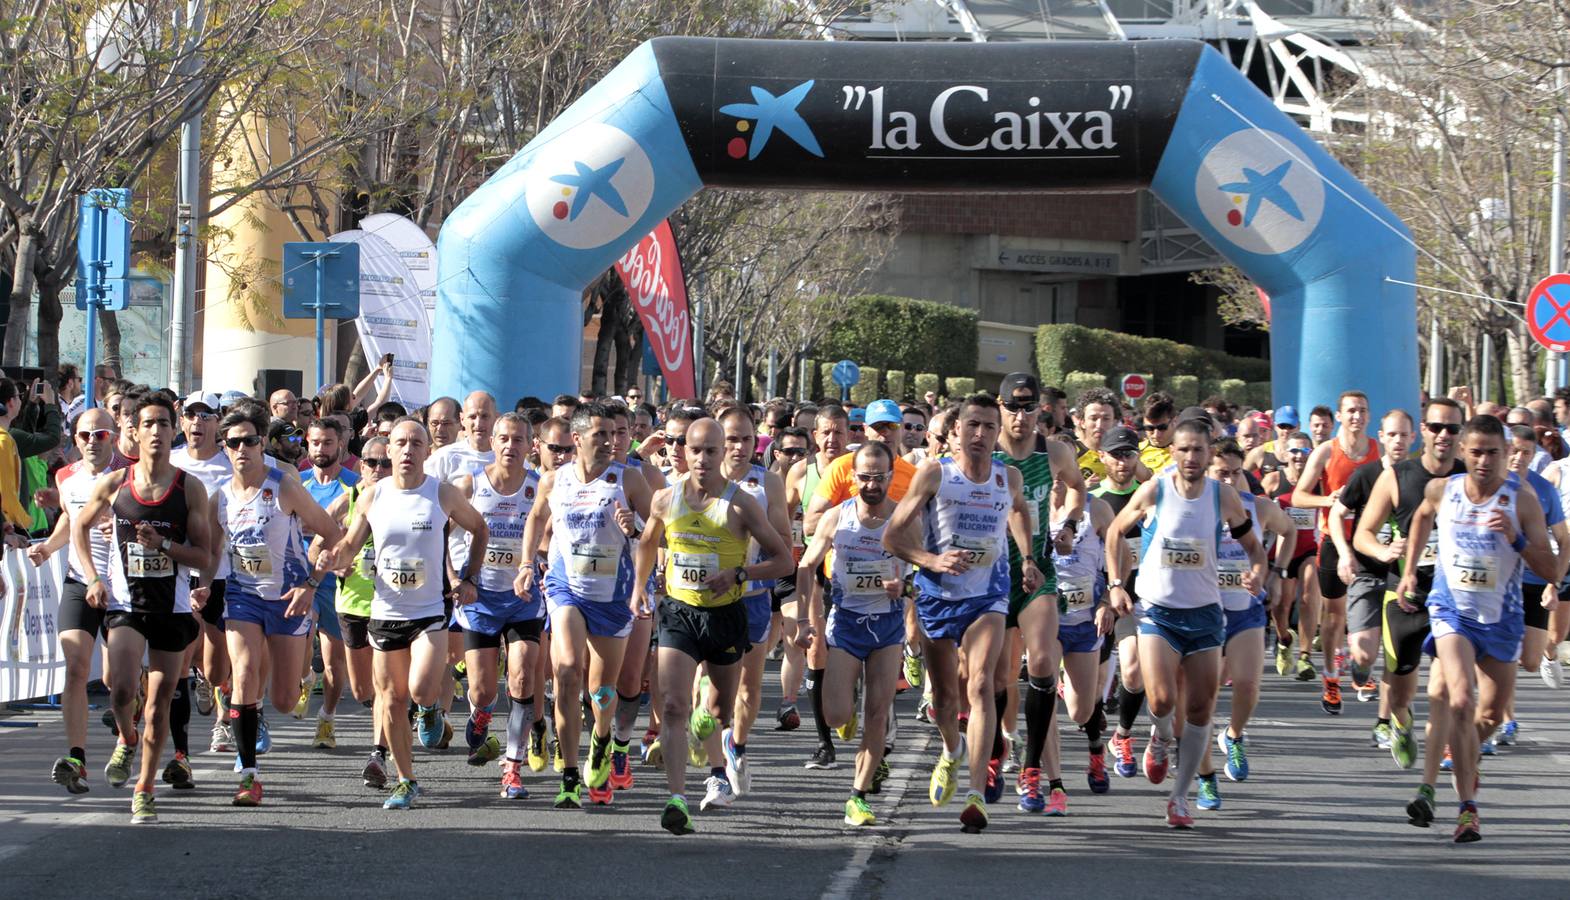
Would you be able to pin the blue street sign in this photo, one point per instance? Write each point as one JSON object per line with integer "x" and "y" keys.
{"x": 846, "y": 373}
{"x": 321, "y": 279}
{"x": 103, "y": 249}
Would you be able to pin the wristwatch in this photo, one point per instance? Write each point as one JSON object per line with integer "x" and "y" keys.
{"x": 1116, "y": 582}
{"x": 741, "y": 575}
{"x": 164, "y": 545}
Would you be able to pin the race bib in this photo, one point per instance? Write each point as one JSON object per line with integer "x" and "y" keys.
{"x": 979, "y": 551}
{"x": 1033, "y": 513}
{"x": 251, "y": 559}
{"x": 1430, "y": 554}
{"x": 1474, "y": 573}
{"x": 401, "y": 573}
{"x": 503, "y": 553}
{"x": 692, "y": 569}
{"x": 142, "y": 561}
{"x": 797, "y": 537}
{"x": 593, "y": 560}
{"x": 867, "y": 578}
{"x": 1075, "y": 593}
{"x": 1137, "y": 545}
{"x": 1229, "y": 573}
{"x": 1302, "y": 517}
{"x": 1182, "y": 553}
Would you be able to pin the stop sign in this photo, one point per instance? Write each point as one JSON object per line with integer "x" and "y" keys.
{"x": 1134, "y": 386}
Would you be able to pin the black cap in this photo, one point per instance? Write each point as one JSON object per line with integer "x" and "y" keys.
{"x": 1195, "y": 412}
{"x": 1019, "y": 381}
{"x": 1120, "y": 437}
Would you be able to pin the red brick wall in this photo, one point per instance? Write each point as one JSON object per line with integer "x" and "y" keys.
{"x": 1096, "y": 217}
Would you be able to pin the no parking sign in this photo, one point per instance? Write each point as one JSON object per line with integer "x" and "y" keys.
{"x": 1548, "y": 313}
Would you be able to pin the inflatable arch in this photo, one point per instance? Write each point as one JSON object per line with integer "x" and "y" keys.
{"x": 681, "y": 113}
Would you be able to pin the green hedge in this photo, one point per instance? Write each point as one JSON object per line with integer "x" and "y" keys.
{"x": 1234, "y": 389}
{"x": 867, "y": 389}
{"x": 1183, "y": 388}
{"x": 1063, "y": 349}
{"x": 894, "y": 385}
{"x": 922, "y": 383}
{"x": 1258, "y": 394}
{"x": 959, "y": 388}
{"x": 1076, "y": 382}
{"x": 907, "y": 335}
{"x": 827, "y": 389}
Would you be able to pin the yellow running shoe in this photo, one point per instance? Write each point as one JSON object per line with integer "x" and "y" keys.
{"x": 848, "y": 730}
{"x": 944, "y": 781}
{"x": 303, "y": 705}
{"x": 325, "y": 738}
{"x": 973, "y": 817}
{"x": 536, "y": 751}
{"x": 857, "y": 812}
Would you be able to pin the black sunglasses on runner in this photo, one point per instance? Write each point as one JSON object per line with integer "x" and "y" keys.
{"x": 1021, "y": 406}
{"x": 1157, "y": 426}
{"x": 235, "y": 443}
{"x": 559, "y": 449}
{"x": 1446, "y": 427}
{"x": 915, "y": 426}
{"x": 377, "y": 462}
{"x": 791, "y": 451}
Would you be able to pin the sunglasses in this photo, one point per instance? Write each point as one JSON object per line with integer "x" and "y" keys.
{"x": 1152, "y": 426}
{"x": 97, "y": 434}
{"x": 1125, "y": 453}
{"x": 235, "y": 443}
{"x": 200, "y": 416}
{"x": 680, "y": 442}
{"x": 1445, "y": 427}
{"x": 1299, "y": 451}
{"x": 559, "y": 449}
{"x": 915, "y": 426}
{"x": 377, "y": 462}
{"x": 872, "y": 477}
{"x": 1021, "y": 406}
{"x": 791, "y": 451}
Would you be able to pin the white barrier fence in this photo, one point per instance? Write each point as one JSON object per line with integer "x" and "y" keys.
{"x": 31, "y": 662}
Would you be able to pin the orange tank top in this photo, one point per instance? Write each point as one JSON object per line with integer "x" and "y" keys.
{"x": 1338, "y": 471}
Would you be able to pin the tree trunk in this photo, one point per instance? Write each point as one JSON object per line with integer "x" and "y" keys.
{"x": 109, "y": 333}
{"x": 49, "y": 315}
{"x": 1519, "y": 344}
{"x": 355, "y": 368}
{"x": 629, "y": 357}
{"x": 21, "y": 300}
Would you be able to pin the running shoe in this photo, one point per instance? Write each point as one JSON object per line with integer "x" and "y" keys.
{"x": 178, "y": 773}
{"x": 1305, "y": 668}
{"x": 249, "y": 793}
{"x": 143, "y": 810}
{"x": 1110, "y": 704}
{"x": 1010, "y": 753}
{"x": 1123, "y": 750}
{"x": 994, "y": 791}
{"x": 1420, "y": 811}
{"x": 1330, "y": 700}
{"x": 303, "y": 705}
{"x": 428, "y": 723}
{"x": 880, "y": 775}
{"x": 716, "y": 793}
{"x": 912, "y": 670}
{"x": 973, "y": 817}
{"x": 402, "y": 796}
{"x": 601, "y": 796}
{"x": 446, "y": 739}
{"x": 702, "y": 724}
{"x": 1178, "y": 815}
{"x": 599, "y": 760}
{"x": 1096, "y": 773}
{"x": 223, "y": 738}
{"x": 1209, "y": 792}
{"x": 1447, "y": 763}
{"x": 264, "y": 735}
{"x": 70, "y": 774}
{"x": 570, "y": 796}
{"x": 944, "y": 782}
{"x": 847, "y": 731}
{"x": 1237, "y": 757}
{"x": 1057, "y": 802}
{"x": 736, "y": 770}
{"x": 621, "y": 766}
{"x": 488, "y": 751}
{"x": 858, "y": 813}
{"x": 653, "y": 754}
{"x": 1030, "y": 799}
{"x": 1487, "y": 747}
{"x": 536, "y": 750}
{"x": 375, "y": 772}
{"x": 1366, "y": 692}
{"x": 204, "y": 693}
{"x": 787, "y": 718}
{"x": 1403, "y": 746}
{"x": 697, "y": 754}
{"x": 822, "y": 758}
{"x": 1283, "y": 658}
{"x": 1156, "y": 758}
{"x": 1381, "y": 736}
{"x": 1318, "y": 644}
{"x": 557, "y": 763}
{"x": 924, "y": 710}
{"x": 512, "y": 781}
{"x": 675, "y": 818}
{"x": 477, "y": 728}
{"x": 326, "y": 735}
{"x": 1508, "y": 732}
{"x": 118, "y": 770}
{"x": 1467, "y": 829}
{"x": 1552, "y": 672}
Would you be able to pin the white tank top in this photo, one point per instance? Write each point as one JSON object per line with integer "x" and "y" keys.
{"x": 263, "y": 556}
{"x": 75, "y": 483}
{"x": 972, "y": 517}
{"x": 1079, "y": 572}
{"x": 1478, "y": 574}
{"x": 589, "y": 554}
{"x": 407, "y": 529}
{"x": 1232, "y": 562}
{"x": 212, "y": 472}
{"x": 861, "y": 566}
{"x": 1177, "y": 568}
{"x": 505, "y": 515}
{"x": 755, "y": 484}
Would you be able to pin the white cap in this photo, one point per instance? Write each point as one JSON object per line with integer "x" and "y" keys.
{"x": 205, "y": 398}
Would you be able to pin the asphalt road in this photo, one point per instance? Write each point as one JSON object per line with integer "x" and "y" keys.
{"x": 1321, "y": 815}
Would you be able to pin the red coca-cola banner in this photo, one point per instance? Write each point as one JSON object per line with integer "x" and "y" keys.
{"x": 652, "y": 273}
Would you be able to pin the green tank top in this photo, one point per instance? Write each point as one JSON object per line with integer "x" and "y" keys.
{"x": 1036, "y": 473}
{"x": 354, "y": 592}
{"x": 809, "y": 484}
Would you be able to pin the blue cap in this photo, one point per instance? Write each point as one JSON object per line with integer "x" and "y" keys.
{"x": 858, "y": 416}
{"x": 1287, "y": 416}
{"x": 884, "y": 412}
